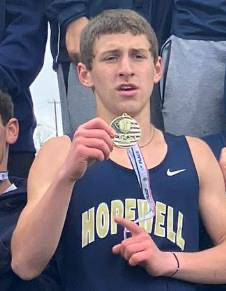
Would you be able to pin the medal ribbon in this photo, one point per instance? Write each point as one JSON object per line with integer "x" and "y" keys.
{"x": 138, "y": 164}
{"x": 3, "y": 176}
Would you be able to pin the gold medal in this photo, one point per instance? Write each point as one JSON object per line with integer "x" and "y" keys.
{"x": 127, "y": 130}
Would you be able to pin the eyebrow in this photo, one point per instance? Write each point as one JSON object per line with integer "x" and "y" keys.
{"x": 116, "y": 51}
{"x": 133, "y": 50}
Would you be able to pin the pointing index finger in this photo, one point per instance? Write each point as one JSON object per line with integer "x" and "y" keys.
{"x": 129, "y": 225}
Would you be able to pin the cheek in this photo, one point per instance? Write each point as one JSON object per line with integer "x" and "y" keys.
{"x": 99, "y": 80}
{"x": 148, "y": 79}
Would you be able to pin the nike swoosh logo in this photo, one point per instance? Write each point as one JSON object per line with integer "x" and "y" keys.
{"x": 173, "y": 173}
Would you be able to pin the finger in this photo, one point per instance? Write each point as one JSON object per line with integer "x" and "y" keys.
{"x": 116, "y": 249}
{"x": 132, "y": 249}
{"x": 138, "y": 258}
{"x": 129, "y": 225}
{"x": 94, "y": 143}
{"x": 96, "y": 133}
{"x": 100, "y": 145}
{"x": 136, "y": 240}
{"x": 89, "y": 154}
{"x": 98, "y": 123}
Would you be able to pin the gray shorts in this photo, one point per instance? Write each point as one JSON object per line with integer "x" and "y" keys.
{"x": 192, "y": 88}
{"x": 78, "y": 104}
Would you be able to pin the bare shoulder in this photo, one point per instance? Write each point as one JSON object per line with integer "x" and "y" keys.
{"x": 211, "y": 189}
{"x": 203, "y": 157}
{"x": 47, "y": 163}
{"x": 197, "y": 145}
{"x": 55, "y": 142}
{"x": 200, "y": 150}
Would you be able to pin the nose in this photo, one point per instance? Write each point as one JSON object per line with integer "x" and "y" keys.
{"x": 126, "y": 67}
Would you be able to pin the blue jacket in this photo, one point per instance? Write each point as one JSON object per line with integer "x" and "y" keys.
{"x": 62, "y": 12}
{"x": 23, "y": 33}
{"x": 11, "y": 204}
{"x": 199, "y": 19}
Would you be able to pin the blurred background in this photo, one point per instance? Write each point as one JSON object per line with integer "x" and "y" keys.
{"x": 46, "y": 102}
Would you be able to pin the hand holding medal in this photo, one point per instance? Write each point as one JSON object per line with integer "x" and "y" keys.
{"x": 127, "y": 131}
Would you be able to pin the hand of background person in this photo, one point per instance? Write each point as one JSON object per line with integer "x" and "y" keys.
{"x": 222, "y": 163}
{"x": 141, "y": 250}
{"x": 92, "y": 141}
{"x": 72, "y": 38}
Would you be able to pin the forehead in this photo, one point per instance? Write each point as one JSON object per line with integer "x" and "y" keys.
{"x": 120, "y": 41}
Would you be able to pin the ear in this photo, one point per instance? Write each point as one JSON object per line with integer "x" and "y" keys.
{"x": 84, "y": 75}
{"x": 12, "y": 130}
{"x": 158, "y": 70}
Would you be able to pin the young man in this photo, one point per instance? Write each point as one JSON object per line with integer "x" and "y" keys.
{"x": 83, "y": 202}
{"x": 13, "y": 196}
{"x": 67, "y": 19}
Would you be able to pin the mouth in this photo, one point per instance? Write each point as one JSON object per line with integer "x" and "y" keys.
{"x": 127, "y": 89}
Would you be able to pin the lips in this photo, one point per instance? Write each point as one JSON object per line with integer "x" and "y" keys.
{"x": 127, "y": 87}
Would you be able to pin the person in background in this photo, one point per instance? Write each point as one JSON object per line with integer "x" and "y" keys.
{"x": 13, "y": 197}
{"x": 94, "y": 186}
{"x": 23, "y": 34}
{"x": 192, "y": 88}
{"x": 67, "y": 20}
{"x": 218, "y": 141}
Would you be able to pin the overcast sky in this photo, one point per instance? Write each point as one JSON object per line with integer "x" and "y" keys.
{"x": 44, "y": 91}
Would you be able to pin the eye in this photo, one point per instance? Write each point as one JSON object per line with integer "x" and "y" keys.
{"x": 111, "y": 58}
{"x": 139, "y": 56}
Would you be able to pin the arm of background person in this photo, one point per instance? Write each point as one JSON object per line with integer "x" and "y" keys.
{"x": 23, "y": 46}
{"x": 72, "y": 17}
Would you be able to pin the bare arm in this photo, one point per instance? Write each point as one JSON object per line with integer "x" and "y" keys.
{"x": 44, "y": 208}
{"x": 72, "y": 38}
{"x": 55, "y": 171}
{"x": 72, "y": 17}
{"x": 208, "y": 266}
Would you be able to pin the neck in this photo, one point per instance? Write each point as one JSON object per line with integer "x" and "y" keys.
{"x": 149, "y": 139}
{"x": 147, "y": 132}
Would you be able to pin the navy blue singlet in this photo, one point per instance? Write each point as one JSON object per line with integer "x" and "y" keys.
{"x": 107, "y": 189}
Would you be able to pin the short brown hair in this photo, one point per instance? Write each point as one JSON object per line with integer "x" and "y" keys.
{"x": 6, "y": 107}
{"x": 112, "y": 22}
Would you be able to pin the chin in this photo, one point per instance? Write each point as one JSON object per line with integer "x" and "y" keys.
{"x": 130, "y": 112}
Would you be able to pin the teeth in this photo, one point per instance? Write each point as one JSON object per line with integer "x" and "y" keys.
{"x": 126, "y": 88}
